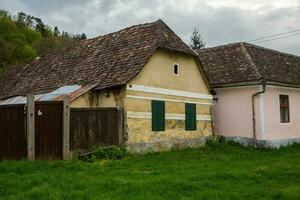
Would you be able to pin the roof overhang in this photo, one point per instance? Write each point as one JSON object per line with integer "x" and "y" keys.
{"x": 256, "y": 82}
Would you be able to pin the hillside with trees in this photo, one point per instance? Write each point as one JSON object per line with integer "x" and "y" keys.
{"x": 24, "y": 37}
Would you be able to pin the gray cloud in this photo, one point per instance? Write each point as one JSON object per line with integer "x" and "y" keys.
{"x": 220, "y": 22}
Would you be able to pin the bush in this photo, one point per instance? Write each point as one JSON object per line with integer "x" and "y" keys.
{"x": 221, "y": 139}
{"x": 211, "y": 141}
{"x": 108, "y": 153}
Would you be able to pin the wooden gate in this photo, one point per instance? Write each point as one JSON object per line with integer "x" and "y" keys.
{"x": 48, "y": 130}
{"x": 13, "y": 143}
{"x": 95, "y": 127}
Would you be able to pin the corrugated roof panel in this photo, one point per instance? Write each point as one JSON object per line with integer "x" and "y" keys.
{"x": 57, "y": 95}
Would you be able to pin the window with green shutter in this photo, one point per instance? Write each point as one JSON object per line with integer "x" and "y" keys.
{"x": 190, "y": 117}
{"x": 158, "y": 115}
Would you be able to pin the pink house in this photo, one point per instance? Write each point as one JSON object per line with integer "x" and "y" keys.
{"x": 257, "y": 93}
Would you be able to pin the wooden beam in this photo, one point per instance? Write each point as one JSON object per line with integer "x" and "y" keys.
{"x": 66, "y": 128}
{"x": 30, "y": 127}
{"x": 120, "y": 125}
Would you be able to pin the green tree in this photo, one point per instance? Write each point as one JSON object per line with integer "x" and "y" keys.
{"x": 196, "y": 40}
{"x": 23, "y": 37}
{"x": 56, "y": 32}
{"x": 83, "y": 36}
{"x": 4, "y": 13}
{"x": 21, "y": 17}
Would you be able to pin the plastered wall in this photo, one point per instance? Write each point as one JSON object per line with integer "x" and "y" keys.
{"x": 233, "y": 112}
{"x": 274, "y": 129}
{"x": 158, "y": 73}
{"x": 100, "y": 99}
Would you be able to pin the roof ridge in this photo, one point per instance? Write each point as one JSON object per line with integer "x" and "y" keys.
{"x": 252, "y": 45}
{"x": 249, "y": 58}
{"x": 125, "y": 29}
{"x": 161, "y": 40}
{"x": 271, "y": 50}
{"x": 221, "y": 46}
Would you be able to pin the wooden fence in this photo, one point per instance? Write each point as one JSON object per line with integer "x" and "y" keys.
{"x": 95, "y": 127}
{"x": 13, "y": 140}
{"x": 49, "y": 130}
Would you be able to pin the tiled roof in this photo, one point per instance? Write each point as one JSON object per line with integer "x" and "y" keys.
{"x": 106, "y": 61}
{"x": 245, "y": 63}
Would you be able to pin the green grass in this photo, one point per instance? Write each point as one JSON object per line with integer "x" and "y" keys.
{"x": 221, "y": 171}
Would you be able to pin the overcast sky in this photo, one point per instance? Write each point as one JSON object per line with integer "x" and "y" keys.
{"x": 219, "y": 21}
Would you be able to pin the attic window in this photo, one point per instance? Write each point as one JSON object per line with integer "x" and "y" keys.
{"x": 176, "y": 69}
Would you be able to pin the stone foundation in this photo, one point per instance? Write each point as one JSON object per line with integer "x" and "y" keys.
{"x": 270, "y": 143}
{"x": 174, "y": 143}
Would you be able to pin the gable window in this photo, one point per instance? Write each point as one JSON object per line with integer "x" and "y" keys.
{"x": 158, "y": 115}
{"x": 284, "y": 108}
{"x": 190, "y": 117}
{"x": 176, "y": 69}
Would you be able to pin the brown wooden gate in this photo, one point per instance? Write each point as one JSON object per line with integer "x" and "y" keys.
{"x": 95, "y": 127}
{"x": 48, "y": 130}
{"x": 13, "y": 143}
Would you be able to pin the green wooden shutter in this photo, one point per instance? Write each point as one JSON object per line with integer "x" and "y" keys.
{"x": 190, "y": 117}
{"x": 158, "y": 115}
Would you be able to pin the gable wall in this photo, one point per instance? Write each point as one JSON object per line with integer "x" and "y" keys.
{"x": 153, "y": 82}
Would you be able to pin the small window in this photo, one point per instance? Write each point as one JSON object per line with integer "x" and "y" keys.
{"x": 176, "y": 69}
{"x": 190, "y": 117}
{"x": 284, "y": 108}
{"x": 158, "y": 115}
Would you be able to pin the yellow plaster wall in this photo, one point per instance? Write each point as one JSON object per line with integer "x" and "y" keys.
{"x": 143, "y": 105}
{"x": 81, "y": 102}
{"x": 158, "y": 72}
{"x": 140, "y": 131}
{"x": 100, "y": 99}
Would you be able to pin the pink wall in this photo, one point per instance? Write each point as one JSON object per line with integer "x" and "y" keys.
{"x": 233, "y": 111}
{"x": 273, "y": 128}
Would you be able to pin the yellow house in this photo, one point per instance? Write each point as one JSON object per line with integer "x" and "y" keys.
{"x": 145, "y": 69}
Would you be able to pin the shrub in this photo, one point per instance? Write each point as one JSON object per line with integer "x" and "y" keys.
{"x": 108, "y": 153}
{"x": 221, "y": 139}
{"x": 211, "y": 141}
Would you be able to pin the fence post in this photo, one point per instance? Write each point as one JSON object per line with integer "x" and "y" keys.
{"x": 66, "y": 128}
{"x": 30, "y": 127}
{"x": 120, "y": 125}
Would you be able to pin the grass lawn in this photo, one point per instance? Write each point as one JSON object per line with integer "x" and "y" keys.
{"x": 221, "y": 171}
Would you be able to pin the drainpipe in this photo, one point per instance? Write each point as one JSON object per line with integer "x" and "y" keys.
{"x": 212, "y": 121}
{"x": 253, "y": 111}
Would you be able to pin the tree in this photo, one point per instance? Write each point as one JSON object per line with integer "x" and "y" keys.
{"x": 196, "y": 40}
{"x": 23, "y": 37}
{"x": 40, "y": 27}
{"x": 4, "y": 13}
{"x": 83, "y": 36}
{"x": 65, "y": 34}
{"x": 21, "y": 17}
{"x": 29, "y": 21}
{"x": 56, "y": 32}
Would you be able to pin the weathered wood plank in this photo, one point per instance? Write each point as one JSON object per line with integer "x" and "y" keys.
{"x": 30, "y": 127}
{"x": 95, "y": 127}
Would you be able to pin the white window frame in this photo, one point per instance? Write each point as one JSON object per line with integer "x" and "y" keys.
{"x": 178, "y": 69}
